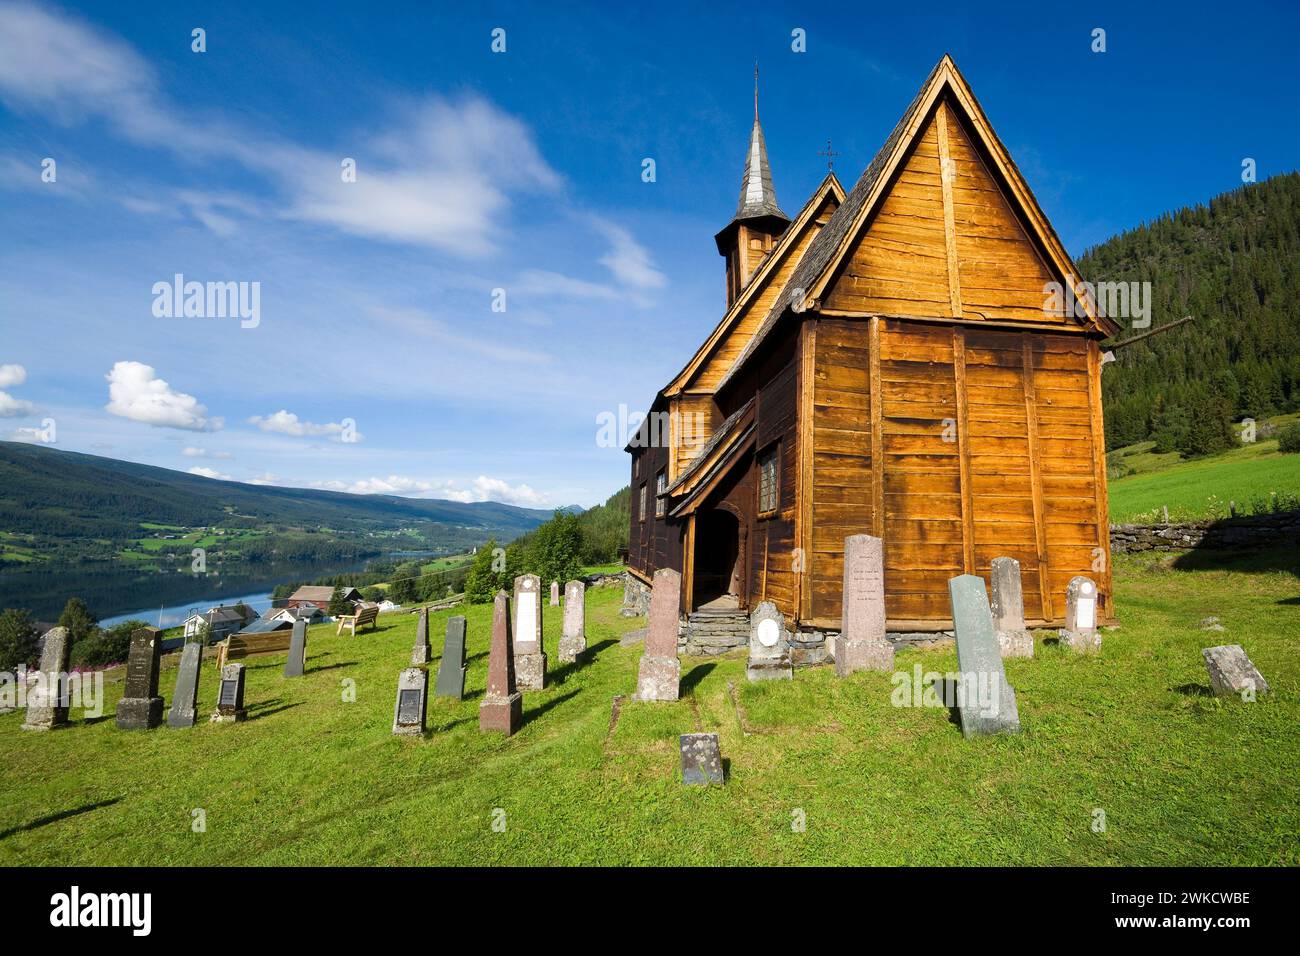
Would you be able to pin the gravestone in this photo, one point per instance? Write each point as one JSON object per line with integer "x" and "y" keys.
{"x": 986, "y": 703}
{"x": 421, "y": 652}
{"x": 555, "y": 594}
{"x": 185, "y": 698}
{"x": 1080, "y": 632}
{"x": 451, "y": 669}
{"x": 230, "y": 696}
{"x": 1008, "y": 606}
{"x": 502, "y": 707}
{"x": 862, "y": 644}
{"x": 140, "y": 707}
{"x": 660, "y": 674}
{"x": 297, "y": 662}
{"x": 530, "y": 655}
{"x": 47, "y": 704}
{"x": 769, "y": 645}
{"x": 573, "y": 637}
{"x": 1232, "y": 674}
{"x": 701, "y": 759}
{"x": 412, "y": 701}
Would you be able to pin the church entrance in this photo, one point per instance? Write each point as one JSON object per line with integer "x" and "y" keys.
{"x": 719, "y": 572}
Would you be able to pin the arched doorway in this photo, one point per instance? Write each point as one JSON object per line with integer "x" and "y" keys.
{"x": 719, "y": 570}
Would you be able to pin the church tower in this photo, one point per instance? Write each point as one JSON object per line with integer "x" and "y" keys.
{"x": 759, "y": 221}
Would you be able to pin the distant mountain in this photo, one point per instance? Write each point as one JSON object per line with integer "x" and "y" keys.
{"x": 66, "y": 494}
{"x": 1234, "y": 266}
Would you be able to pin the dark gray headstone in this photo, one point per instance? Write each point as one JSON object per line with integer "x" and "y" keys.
{"x": 230, "y": 695}
{"x": 297, "y": 662}
{"x": 985, "y": 701}
{"x": 140, "y": 707}
{"x": 185, "y": 698}
{"x": 409, "y": 709}
{"x": 47, "y": 703}
{"x": 421, "y": 652}
{"x": 451, "y": 669}
{"x": 701, "y": 759}
{"x": 1232, "y": 674}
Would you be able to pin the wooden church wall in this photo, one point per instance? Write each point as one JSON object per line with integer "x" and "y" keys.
{"x": 988, "y": 443}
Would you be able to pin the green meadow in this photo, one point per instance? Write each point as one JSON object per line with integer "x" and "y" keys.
{"x": 1181, "y": 777}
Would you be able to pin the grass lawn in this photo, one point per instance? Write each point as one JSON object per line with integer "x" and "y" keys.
{"x": 1203, "y": 487}
{"x": 1183, "y": 778}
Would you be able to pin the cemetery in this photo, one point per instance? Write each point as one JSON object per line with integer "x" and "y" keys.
{"x": 620, "y": 749}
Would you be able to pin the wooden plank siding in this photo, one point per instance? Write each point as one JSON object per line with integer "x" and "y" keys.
{"x": 962, "y": 409}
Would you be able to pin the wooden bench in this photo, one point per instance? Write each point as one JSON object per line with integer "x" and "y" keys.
{"x": 237, "y": 646}
{"x": 367, "y": 615}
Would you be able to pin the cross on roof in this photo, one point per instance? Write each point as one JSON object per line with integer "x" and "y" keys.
{"x": 830, "y": 155}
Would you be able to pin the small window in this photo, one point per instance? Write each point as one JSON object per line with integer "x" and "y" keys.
{"x": 661, "y": 486}
{"x": 636, "y": 466}
{"x": 769, "y": 488}
{"x": 641, "y": 510}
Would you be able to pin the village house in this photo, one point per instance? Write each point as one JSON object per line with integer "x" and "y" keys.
{"x": 886, "y": 364}
{"x": 282, "y": 618}
{"x": 222, "y": 621}
{"x": 319, "y": 596}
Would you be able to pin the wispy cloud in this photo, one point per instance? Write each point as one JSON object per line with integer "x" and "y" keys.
{"x": 285, "y": 422}
{"x": 482, "y": 488}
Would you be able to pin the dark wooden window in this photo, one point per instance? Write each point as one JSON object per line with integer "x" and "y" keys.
{"x": 641, "y": 510}
{"x": 661, "y": 486}
{"x": 769, "y": 480}
{"x": 636, "y": 466}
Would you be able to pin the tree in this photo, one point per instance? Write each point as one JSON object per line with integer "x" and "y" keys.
{"x": 556, "y": 549}
{"x": 18, "y": 639}
{"x": 104, "y": 647}
{"x": 482, "y": 582}
{"x": 1288, "y": 440}
{"x": 76, "y": 617}
{"x": 402, "y": 590}
{"x": 338, "y": 604}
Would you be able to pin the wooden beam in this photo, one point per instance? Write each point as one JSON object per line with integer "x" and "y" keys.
{"x": 1014, "y": 324}
{"x": 688, "y": 566}
{"x": 963, "y": 450}
{"x": 877, "y": 434}
{"x": 1035, "y": 476}
{"x": 1100, "y": 494}
{"x": 946, "y": 173}
{"x": 804, "y": 480}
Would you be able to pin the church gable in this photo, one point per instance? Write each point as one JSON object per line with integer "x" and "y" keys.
{"x": 942, "y": 246}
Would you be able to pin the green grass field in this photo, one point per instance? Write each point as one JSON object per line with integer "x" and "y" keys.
{"x": 1183, "y": 778}
{"x": 1203, "y": 487}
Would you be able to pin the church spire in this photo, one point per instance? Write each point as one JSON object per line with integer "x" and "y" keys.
{"x": 757, "y": 194}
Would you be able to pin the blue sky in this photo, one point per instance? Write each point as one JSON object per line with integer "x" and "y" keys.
{"x": 519, "y": 171}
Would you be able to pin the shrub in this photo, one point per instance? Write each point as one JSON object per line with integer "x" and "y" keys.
{"x": 17, "y": 639}
{"x": 104, "y": 647}
{"x": 1288, "y": 440}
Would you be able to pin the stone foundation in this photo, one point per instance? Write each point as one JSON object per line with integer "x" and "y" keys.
{"x": 636, "y": 597}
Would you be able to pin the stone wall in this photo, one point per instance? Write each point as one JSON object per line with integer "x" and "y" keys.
{"x": 636, "y": 597}
{"x": 1226, "y": 533}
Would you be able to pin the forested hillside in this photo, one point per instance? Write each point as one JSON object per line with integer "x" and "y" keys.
{"x": 1234, "y": 265}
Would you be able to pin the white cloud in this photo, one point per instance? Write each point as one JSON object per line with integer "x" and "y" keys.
{"x": 287, "y": 423}
{"x": 11, "y": 375}
{"x": 482, "y": 488}
{"x": 627, "y": 259}
{"x": 209, "y": 473}
{"x": 34, "y": 436}
{"x": 192, "y": 452}
{"x": 135, "y": 392}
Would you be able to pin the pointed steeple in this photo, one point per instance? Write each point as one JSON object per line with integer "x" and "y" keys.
{"x": 757, "y": 194}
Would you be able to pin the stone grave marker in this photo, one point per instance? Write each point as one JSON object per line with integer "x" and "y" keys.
{"x": 701, "y": 759}
{"x": 660, "y": 674}
{"x": 530, "y": 654}
{"x": 230, "y": 696}
{"x": 1008, "y": 606}
{"x": 185, "y": 698}
{"x": 451, "y": 669}
{"x": 296, "y": 665}
{"x": 502, "y": 707}
{"x": 986, "y": 703}
{"x": 1232, "y": 673}
{"x": 412, "y": 701}
{"x": 421, "y": 652}
{"x": 47, "y": 703}
{"x": 862, "y": 644}
{"x": 555, "y": 594}
{"x": 140, "y": 707}
{"x": 769, "y": 645}
{"x": 1080, "y": 632}
{"x": 573, "y": 637}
